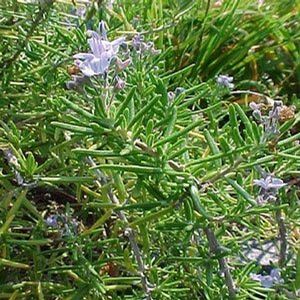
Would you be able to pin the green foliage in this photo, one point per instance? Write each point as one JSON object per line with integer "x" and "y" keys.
{"x": 153, "y": 193}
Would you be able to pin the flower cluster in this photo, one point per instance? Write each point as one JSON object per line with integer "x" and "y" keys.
{"x": 225, "y": 81}
{"x": 119, "y": 84}
{"x": 142, "y": 47}
{"x": 66, "y": 226}
{"x": 270, "y": 280}
{"x": 263, "y": 253}
{"x": 177, "y": 92}
{"x": 270, "y": 121}
{"x": 14, "y": 164}
{"x": 80, "y": 10}
{"x": 269, "y": 187}
{"x": 102, "y": 53}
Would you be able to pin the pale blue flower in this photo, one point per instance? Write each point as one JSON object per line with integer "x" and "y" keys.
{"x": 179, "y": 90}
{"x": 270, "y": 121}
{"x": 269, "y": 183}
{"x": 171, "y": 96}
{"x": 226, "y": 81}
{"x": 269, "y": 187}
{"x": 63, "y": 224}
{"x": 268, "y": 281}
{"x": 51, "y": 221}
{"x": 102, "y": 30}
{"x": 142, "y": 47}
{"x": 102, "y": 52}
{"x": 256, "y": 111}
{"x": 121, "y": 65}
{"x": 80, "y": 11}
{"x": 120, "y": 84}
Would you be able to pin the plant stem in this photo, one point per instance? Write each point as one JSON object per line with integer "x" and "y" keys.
{"x": 215, "y": 249}
{"x": 282, "y": 236}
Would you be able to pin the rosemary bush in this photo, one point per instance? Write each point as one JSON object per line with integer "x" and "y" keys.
{"x": 149, "y": 151}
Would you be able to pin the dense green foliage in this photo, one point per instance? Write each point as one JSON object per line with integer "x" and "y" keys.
{"x": 151, "y": 184}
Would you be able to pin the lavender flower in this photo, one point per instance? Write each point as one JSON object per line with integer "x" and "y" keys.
{"x": 138, "y": 42}
{"x": 270, "y": 121}
{"x": 80, "y": 11}
{"x": 270, "y": 183}
{"x": 269, "y": 187}
{"x": 263, "y": 253}
{"x": 103, "y": 51}
{"x": 121, "y": 65}
{"x": 171, "y": 96}
{"x": 66, "y": 227}
{"x": 268, "y": 281}
{"x": 256, "y": 110}
{"x": 142, "y": 47}
{"x": 120, "y": 84}
{"x": 19, "y": 178}
{"x": 51, "y": 221}
{"x": 226, "y": 81}
{"x": 102, "y": 30}
{"x": 11, "y": 158}
{"x": 179, "y": 90}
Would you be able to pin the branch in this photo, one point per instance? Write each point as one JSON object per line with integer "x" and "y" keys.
{"x": 282, "y": 235}
{"x": 215, "y": 249}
